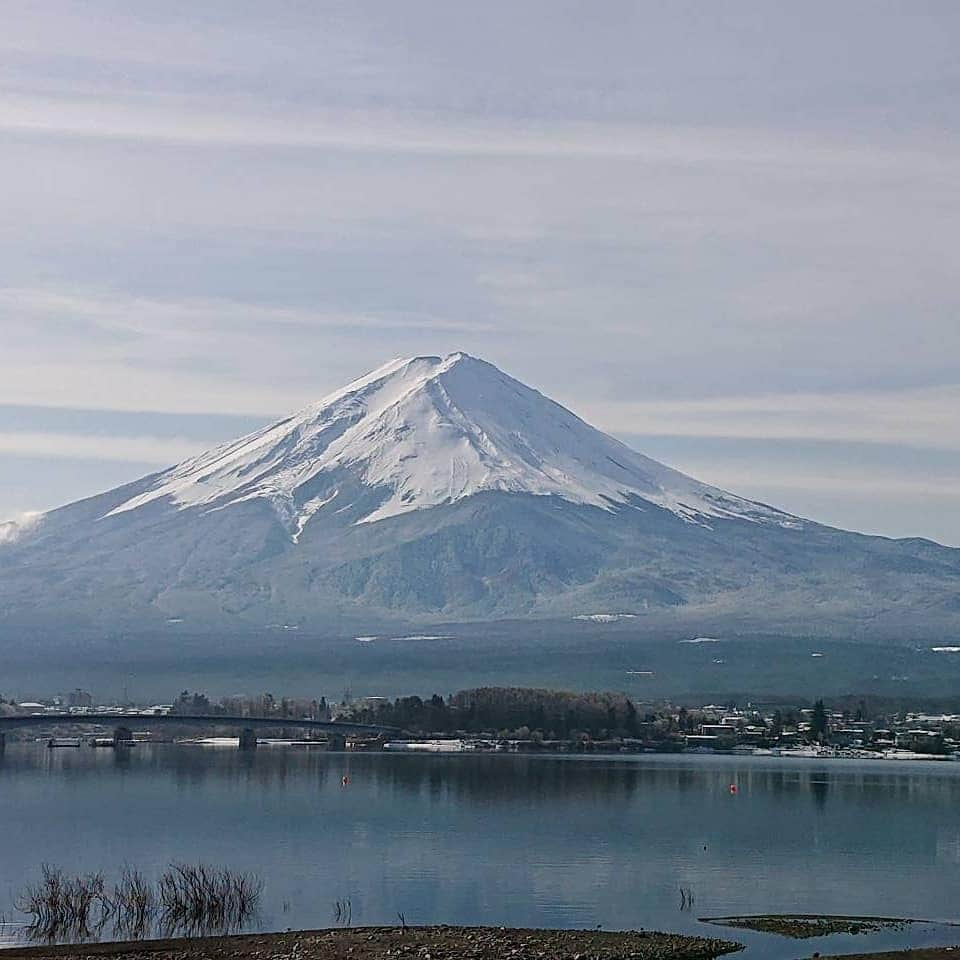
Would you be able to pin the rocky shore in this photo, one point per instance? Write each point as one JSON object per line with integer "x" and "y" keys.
{"x": 411, "y": 943}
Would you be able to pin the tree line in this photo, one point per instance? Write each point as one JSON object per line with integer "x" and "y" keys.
{"x": 520, "y": 711}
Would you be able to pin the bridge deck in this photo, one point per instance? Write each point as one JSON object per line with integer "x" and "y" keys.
{"x": 172, "y": 719}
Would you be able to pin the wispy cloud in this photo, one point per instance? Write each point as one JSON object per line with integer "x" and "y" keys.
{"x": 924, "y": 417}
{"x": 182, "y": 318}
{"x": 202, "y": 121}
{"x": 98, "y": 385}
{"x": 868, "y": 483}
{"x": 109, "y": 350}
{"x": 161, "y": 451}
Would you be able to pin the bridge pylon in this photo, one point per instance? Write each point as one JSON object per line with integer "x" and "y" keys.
{"x": 122, "y": 737}
{"x": 248, "y": 739}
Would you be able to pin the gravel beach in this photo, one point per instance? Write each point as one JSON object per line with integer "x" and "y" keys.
{"x": 416, "y": 943}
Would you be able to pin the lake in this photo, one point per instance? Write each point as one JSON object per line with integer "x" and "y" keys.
{"x": 505, "y": 839}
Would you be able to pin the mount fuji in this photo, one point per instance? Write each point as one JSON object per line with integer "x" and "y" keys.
{"x": 441, "y": 489}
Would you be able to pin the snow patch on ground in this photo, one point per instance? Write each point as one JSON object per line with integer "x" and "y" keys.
{"x": 19, "y": 526}
{"x": 426, "y": 636}
{"x": 307, "y": 512}
{"x": 605, "y": 617}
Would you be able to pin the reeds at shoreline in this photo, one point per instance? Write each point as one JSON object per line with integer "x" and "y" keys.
{"x": 186, "y": 900}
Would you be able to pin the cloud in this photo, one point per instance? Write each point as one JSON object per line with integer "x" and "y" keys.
{"x": 97, "y": 385}
{"x": 925, "y": 417}
{"x": 868, "y": 483}
{"x": 182, "y": 318}
{"x": 109, "y": 350}
{"x": 203, "y": 122}
{"x": 162, "y": 451}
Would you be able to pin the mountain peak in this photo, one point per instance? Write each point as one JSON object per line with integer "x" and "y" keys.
{"x": 419, "y": 432}
{"x": 397, "y": 376}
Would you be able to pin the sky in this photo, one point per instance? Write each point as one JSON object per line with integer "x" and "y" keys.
{"x": 724, "y": 232}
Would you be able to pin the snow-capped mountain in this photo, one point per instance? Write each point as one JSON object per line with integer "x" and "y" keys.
{"x": 441, "y": 488}
{"x": 428, "y": 431}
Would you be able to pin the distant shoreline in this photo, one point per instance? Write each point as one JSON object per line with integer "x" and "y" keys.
{"x": 486, "y": 748}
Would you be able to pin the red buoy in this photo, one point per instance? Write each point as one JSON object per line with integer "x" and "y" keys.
{"x": 733, "y": 788}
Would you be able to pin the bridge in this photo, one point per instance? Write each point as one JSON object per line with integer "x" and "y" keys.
{"x": 336, "y": 731}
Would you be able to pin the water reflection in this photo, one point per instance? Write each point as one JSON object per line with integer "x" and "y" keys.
{"x": 186, "y": 900}
{"x": 819, "y": 785}
{"x": 522, "y": 840}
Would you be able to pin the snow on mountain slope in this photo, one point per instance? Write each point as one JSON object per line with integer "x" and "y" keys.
{"x": 427, "y": 431}
{"x": 13, "y": 530}
{"x": 439, "y": 490}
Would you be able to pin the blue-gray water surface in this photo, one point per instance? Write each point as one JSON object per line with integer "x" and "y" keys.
{"x": 505, "y": 839}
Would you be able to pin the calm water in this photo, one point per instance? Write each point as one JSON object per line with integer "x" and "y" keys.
{"x": 507, "y": 840}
